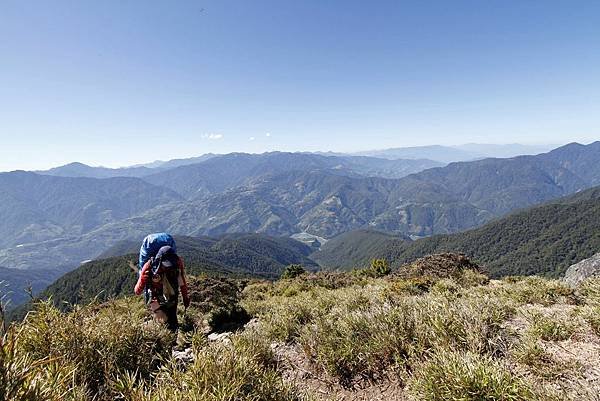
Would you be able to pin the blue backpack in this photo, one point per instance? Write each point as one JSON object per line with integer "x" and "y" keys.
{"x": 152, "y": 243}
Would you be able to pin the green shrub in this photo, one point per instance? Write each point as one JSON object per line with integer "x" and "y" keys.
{"x": 228, "y": 318}
{"x": 216, "y": 301}
{"x": 292, "y": 271}
{"x": 380, "y": 267}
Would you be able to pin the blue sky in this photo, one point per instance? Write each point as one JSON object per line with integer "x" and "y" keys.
{"x": 122, "y": 82}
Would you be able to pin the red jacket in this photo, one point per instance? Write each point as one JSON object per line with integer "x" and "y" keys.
{"x": 147, "y": 272}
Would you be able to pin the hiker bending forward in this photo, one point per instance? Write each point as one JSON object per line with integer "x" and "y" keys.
{"x": 161, "y": 279}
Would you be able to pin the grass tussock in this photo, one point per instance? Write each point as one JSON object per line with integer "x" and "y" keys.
{"x": 551, "y": 328}
{"x": 24, "y": 378}
{"x": 465, "y": 376}
{"x": 101, "y": 342}
{"x": 537, "y": 290}
{"x": 111, "y": 351}
{"x": 592, "y": 315}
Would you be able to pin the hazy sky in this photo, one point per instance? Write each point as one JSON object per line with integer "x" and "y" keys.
{"x": 121, "y": 82}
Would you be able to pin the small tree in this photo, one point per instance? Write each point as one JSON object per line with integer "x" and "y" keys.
{"x": 380, "y": 267}
{"x": 292, "y": 271}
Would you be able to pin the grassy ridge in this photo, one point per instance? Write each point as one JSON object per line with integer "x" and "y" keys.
{"x": 453, "y": 336}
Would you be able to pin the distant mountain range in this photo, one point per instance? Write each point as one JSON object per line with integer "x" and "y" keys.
{"x": 430, "y": 156}
{"x": 467, "y": 152}
{"x": 36, "y": 208}
{"x": 53, "y": 223}
{"x": 77, "y": 169}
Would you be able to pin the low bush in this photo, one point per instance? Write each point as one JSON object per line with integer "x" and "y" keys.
{"x": 215, "y": 301}
{"x": 292, "y": 271}
{"x": 466, "y": 376}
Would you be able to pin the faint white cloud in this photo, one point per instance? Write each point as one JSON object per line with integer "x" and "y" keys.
{"x": 212, "y": 136}
{"x": 251, "y": 138}
{"x": 268, "y": 134}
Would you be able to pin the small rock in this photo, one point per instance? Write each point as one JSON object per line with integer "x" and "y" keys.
{"x": 253, "y": 323}
{"x": 219, "y": 336}
{"x": 185, "y": 357}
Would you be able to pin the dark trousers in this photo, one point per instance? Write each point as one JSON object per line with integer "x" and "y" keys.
{"x": 171, "y": 312}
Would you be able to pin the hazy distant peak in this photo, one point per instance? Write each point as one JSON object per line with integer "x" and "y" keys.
{"x": 466, "y": 152}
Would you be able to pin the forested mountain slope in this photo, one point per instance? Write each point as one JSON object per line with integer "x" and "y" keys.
{"x": 356, "y": 249}
{"x": 543, "y": 240}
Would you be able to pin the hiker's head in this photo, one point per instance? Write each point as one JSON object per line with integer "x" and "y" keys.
{"x": 164, "y": 251}
{"x": 164, "y": 259}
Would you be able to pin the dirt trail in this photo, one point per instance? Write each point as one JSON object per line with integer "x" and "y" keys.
{"x": 297, "y": 369}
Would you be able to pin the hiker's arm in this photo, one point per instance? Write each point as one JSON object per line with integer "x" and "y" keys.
{"x": 183, "y": 284}
{"x": 141, "y": 283}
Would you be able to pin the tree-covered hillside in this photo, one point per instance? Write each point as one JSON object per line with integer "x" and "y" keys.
{"x": 356, "y": 249}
